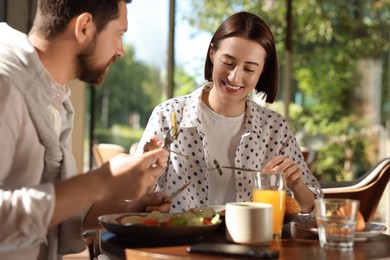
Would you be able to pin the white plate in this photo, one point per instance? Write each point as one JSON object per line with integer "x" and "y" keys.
{"x": 370, "y": 229}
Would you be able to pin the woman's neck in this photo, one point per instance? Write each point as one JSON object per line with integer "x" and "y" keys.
{"x": 222, "y": 107}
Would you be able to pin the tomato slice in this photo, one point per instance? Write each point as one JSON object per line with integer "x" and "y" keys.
{"x": 150, "y": 222}
{"x": 207, "y": 221}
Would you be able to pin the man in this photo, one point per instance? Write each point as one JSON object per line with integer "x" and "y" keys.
{"x": 41, "y": 196}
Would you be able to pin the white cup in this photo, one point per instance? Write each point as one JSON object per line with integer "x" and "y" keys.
{"x": 249, "y": 222}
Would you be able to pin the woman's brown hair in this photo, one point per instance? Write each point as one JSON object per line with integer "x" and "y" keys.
{"x": 252, "y": 27}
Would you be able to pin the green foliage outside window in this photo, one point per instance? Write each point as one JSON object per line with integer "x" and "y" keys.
{"x": 329, "y": 38}
{"x": 130, "y": 87}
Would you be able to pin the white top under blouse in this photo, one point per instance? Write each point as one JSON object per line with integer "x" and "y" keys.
{"x": 224, "y": 136}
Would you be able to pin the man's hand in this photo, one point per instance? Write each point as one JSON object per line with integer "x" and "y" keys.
{"x": 129, "y": 177}
{"x": 147, "y": 203}
{"x": 154, "y": 143}
{"x": 150, "y": 202}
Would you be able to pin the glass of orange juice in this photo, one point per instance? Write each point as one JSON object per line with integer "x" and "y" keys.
{"x": 269, "y": 188}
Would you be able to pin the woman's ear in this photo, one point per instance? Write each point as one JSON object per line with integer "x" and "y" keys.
{"x": 212, "y": 53}
{"x": 84, "y": 28}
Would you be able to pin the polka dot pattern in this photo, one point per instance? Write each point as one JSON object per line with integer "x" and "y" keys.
{"x": 266, "y": 134}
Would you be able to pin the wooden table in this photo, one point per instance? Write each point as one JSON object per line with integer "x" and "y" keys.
{"x": 295, "y": 244}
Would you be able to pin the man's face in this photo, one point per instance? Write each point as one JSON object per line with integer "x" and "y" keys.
{"x": 93, "y": 62}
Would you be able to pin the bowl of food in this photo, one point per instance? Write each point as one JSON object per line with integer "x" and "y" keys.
{"x": 157, "y": 226}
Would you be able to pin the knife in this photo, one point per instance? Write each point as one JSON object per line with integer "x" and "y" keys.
{"x": 173, "y": 195}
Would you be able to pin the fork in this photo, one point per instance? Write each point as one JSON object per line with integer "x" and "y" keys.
{"x": 169, "y": 138}
{"x": 233, "y": 168}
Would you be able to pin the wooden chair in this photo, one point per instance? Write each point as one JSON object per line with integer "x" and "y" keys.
{"x": 104, "y": 152}
{"x": 133, "y": 147}
{"x": 368, "y": 188}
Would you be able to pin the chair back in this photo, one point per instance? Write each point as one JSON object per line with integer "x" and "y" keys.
{"x": 368, "y": 189}
{"x": 104, "y": 152}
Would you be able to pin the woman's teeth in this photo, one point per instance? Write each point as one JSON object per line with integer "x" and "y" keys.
{"x": 232, "y": 87}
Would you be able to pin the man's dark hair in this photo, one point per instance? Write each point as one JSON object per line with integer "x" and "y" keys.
{"x": 54, "y": 15}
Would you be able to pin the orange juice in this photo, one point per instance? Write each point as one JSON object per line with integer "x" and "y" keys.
{"x": 277, "y": 199}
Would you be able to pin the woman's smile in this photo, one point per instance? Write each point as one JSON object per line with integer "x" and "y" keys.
{"x": 231, "y": 88}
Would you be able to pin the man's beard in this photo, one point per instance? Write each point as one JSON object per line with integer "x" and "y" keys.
{"x": 88, "y": 72}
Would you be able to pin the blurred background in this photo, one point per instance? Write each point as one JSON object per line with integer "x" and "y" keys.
{"x": 334, "y": 75}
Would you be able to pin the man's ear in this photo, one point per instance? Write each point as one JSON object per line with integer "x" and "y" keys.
{"x": 84, "y": 28}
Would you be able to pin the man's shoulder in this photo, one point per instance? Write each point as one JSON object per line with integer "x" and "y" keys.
{"x": 11, "y": 99}
{"x": 18, "y": 56}
{"x": 7, "y": 86}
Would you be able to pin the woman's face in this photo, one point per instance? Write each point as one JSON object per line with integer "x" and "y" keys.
{"x": 238, "y": 64}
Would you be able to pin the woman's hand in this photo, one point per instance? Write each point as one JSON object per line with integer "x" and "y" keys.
{"x": 292, "y": 173}
{"x": 293, "y": 178}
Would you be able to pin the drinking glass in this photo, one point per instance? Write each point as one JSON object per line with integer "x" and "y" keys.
{"x": 336, "y": 221}
{"x": 269, "y": 188}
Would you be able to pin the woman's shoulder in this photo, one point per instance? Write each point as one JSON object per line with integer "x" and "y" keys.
{"x": 179, "y": 102}
{"x": 259, "y": 111}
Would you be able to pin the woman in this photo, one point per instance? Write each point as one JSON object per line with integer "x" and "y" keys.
{"x": 220, "y": 122}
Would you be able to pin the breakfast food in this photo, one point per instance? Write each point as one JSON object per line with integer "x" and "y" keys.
{"x": 292, "y": 206}
{"x": 206, "y": 216}
{"x": 360, "y": 223}
{"x": 175, "y": 127}
{"x": 218, "y": 167}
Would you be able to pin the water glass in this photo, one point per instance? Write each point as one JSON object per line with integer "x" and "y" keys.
{"x": 269, "y": 188}
{"x": 336, "y": 221}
